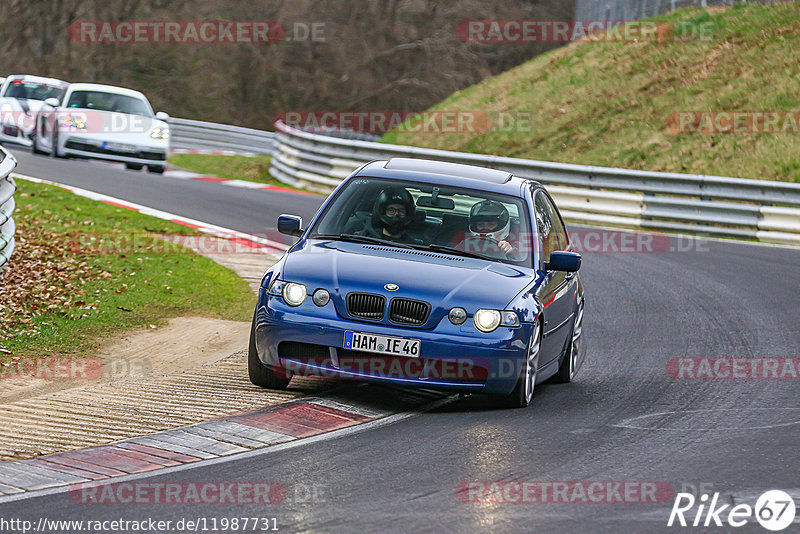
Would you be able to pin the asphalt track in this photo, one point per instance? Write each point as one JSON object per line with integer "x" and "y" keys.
{"x": 624, "y": 419}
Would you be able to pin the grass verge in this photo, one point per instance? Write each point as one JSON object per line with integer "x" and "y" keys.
{"x": 615, "y": 103}
{"x": 235, "y": 167}
{"x": 84, "y": 271}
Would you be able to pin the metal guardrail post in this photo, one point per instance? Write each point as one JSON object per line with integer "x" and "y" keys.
{"x": 7, "y": 204}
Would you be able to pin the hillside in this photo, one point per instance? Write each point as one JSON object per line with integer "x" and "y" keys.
{"x": 618, "y": 103}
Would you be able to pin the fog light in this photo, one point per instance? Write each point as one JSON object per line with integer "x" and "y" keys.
{"x": 457, "y": 315}
{"x": 486, "y": 320}
{"x": 321, "y": 297}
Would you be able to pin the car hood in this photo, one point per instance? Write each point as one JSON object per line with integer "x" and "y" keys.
{"x": 22, "y": 104}
{"x": 442, "y": 280}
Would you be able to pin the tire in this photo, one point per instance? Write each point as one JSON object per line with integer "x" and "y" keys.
{"x": 156, "y": 169}
{"x": 522, "y": 395}
{"x": 54, "y": 151}
{"x": 260, "y": 374}
{"x": 134, "y": 166}
{"x": 35, "y": 147}
{"x": 566, "y": 371}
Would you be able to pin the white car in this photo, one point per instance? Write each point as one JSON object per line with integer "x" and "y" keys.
{"x": 104, "y": 122}
{"x": 21, "y": 99}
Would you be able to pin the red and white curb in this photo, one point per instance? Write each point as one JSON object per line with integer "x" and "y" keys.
{"x": 213, "y": 441}
{"x": 180, "y": 174}
{"x": 258, "y": 244}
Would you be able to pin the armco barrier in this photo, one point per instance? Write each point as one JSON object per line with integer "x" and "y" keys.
{"x": 190, "y": 134}
{"x": 7, "y": 188}
{"x": 684, "y": 203}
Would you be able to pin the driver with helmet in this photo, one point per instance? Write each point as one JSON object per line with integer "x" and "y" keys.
{"x": 489, "y": 219}
{"x": 392, "y": 213}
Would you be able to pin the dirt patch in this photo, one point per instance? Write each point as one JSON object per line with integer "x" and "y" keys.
{"x": 185, "y": 343}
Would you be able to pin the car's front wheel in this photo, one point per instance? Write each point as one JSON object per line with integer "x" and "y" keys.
{"x": 523, "y": 391}
{"x": 569, "y": 365}
{"x": 156, "y": 169}
{"x": 55, "y": 153}
{"x": 134, "y": 166}
{"x": 260, "y": 374}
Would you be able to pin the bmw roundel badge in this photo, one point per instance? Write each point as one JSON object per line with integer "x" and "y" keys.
{"x": 391, "y": 287}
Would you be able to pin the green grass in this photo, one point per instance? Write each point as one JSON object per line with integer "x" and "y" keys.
{"x": 236, "y": 167}
{"x": 109, "y": 293}
{"x": 610, "y": 104}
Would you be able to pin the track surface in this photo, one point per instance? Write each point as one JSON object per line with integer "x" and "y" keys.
{"x": 739, "y": 436}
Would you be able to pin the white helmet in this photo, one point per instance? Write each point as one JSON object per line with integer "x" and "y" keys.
{"x": 490, "y": 211}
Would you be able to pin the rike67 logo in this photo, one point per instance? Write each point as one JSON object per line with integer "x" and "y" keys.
{"x": 774, "y": 510}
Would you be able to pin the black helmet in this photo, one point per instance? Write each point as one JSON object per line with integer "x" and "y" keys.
{"x": 490, "y": 211}
{"x": 395, "y": 224}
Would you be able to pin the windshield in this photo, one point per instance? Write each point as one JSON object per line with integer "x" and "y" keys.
{"x": 450, "y": 220}
{"x": 102, "y": 101}
{"x": 33, "y": 90}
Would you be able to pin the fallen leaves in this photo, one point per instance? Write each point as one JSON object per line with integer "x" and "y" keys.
{"x": 44, "y": 275}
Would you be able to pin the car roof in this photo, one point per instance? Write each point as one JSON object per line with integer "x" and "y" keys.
{"x": 446, "y": 173}
{"x": 106, "y": 89}
{"x": 36, "y": 79}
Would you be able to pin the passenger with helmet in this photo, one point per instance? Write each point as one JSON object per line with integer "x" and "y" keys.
{"x": 392, "y": 213}
{"x": 489, "y": 220}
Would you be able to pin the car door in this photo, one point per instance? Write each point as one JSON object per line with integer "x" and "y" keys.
{"x": 558, "y": 290}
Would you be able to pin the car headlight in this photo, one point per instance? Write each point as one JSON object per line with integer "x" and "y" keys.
{"x": 293, "y": 294}
{"x": 486, "y": 320}
{"x": 77, "y": 122}
{"x": 490, "y": 320}
{"x": 509, "y": 318}
{"x": 160, "y": 133}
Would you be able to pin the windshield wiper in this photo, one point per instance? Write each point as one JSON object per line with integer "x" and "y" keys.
{"x": 458, "y": 252}
{"x": 360, "y": 239}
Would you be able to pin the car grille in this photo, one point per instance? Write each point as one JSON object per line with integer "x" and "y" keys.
{"x": 366, "y": 306}
{"x": 407, "y": 311}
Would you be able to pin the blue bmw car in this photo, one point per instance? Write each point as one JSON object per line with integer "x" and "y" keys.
{"x": 425, "y": 274}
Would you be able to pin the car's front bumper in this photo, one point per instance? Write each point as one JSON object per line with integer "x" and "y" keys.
{"x": 309, "y": 340}
{"x": 143, "y": 154}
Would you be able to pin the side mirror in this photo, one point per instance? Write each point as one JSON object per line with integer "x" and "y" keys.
{"x": 564, "y": 261}
{"x": 162, "y": 116}
{"x": 52, "y": 102}
{"x": 290, "y": 225}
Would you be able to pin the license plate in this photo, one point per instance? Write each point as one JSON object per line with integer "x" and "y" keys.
{"x": 119, "y": 147}
{"x": 396, "y": 346}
